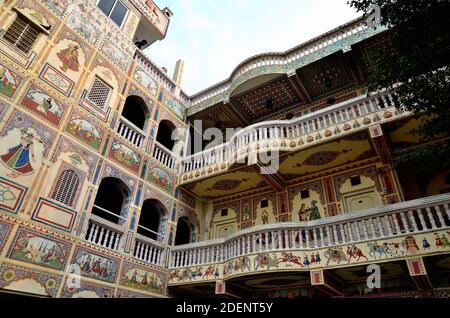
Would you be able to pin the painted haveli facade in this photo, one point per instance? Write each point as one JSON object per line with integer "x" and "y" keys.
{"x": 91, "y": 185}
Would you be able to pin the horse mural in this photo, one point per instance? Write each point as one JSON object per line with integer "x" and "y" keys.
{"x": 335, "y": 255}
{"x": 395, "y": 249}
{"x": 175, "y": 275}
{"x": 355, "y": 252}
{"x": 290, "y": 258}
{"x": 210, "y": 271}
{"x": 264, "y": 260}
{"x": 377, "y": 249}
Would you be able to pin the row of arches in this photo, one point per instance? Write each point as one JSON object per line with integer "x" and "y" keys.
{"x": 112, "y": 203}
{"x": 137, "y": 112}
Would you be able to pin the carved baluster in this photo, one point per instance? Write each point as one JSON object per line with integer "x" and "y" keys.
{"x": 100, "y": 236}
{"x": 440, "y": 216}
{"x": 286, "y": 240}
{"x": 91, "y": 232}
{"x": 273, "y": 241}
{"x": 308, "y": 243}
{"x": 260, "y": 242}
{"x": 254, "y": 243}
{"x": 341, "y": 228}
{"x": 381, "y": 227}
{"x": 422, "y": 220}
{"x": 405, "y": 222}
{"x": 316, "y": 242}
{"x": 447, "y": 210}
{"x": 431, "y": 218}
{"x": 329, "y": 236}
{"x": 372, "y": 228}
{"x": 411, "y": 217}
{"x": 294, "y": 243}
{"x": 322, "y": 241}
{"x": 358, "y": 235}
{"x": 365, "y": 232}
{"x": 336, "y": 237}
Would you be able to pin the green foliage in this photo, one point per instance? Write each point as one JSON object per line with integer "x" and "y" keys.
{"x": 416, "y": 56}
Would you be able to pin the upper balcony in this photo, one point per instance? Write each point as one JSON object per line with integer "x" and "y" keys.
{"x": 341, "y": 39}
{"x": 153, "y": 24}
{"x": 346, "y": 118}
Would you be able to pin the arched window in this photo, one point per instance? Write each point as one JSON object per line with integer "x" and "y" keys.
{"x": 164, "y": 136}
{"x": 112, "y": 200}
{"x": 183, "y": 235}
{"x": 136, "y": 111}
{"x": 66, "y": 188}
{"x": 153, "y": 220}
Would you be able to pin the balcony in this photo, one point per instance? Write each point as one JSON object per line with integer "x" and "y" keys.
{"x": 131, "y": 133}
{"x": 166, "y": 157}
{"x": 341, "y": 38}
{"x": 286, "y": 136}
{"x": 149, "y": 251}
{"x": 326, "y": 237}
{"x": 104, "y": 233}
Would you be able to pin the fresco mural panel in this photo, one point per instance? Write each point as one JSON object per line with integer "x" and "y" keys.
{"x": 40, "y": 249}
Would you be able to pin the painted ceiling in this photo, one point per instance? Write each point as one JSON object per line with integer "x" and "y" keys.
{"x": 253, "y": 105}
{"x": 327, "y": 76}
{"x": 388, "y": 270}
{"x": 346, "y": 150}
{"x": 227, "y": 184}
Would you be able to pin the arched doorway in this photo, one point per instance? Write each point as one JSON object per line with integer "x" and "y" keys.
{"x": 183, "y": 235}
{"x": 112, "y": 200}
{"x": 164, "y": 137}
{"x": 136, "y": 111}
{"x": 153, "y": 220}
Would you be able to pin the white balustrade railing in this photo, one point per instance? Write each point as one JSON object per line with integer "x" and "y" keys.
{"x": 149, "y": 251}
{"x": 104, "y": 233}
{"x": 261, "y": 134}
{"x": 165, "y": 156}
{"x": 131, "y": 133}
{"x": 406, "y": 218}
{"x": 283, "y": 59}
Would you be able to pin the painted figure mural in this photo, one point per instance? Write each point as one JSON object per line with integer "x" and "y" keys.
{"x": 34, "y": 248}
{"x": 18, "y": 159}
{"x": 161, "y": 178}
{"x": 125, "y": 156}
{"x": 8, "y": 82}
{"x": 96, "y": 266}
{"x": 69, "y": 58}
{"x": 85, "y": 131}
{"x": 309, "y": 214}
{"x": 44, "y": 105}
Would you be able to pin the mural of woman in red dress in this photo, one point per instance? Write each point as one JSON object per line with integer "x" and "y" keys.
{"x": 18, "y": 157}
{"x": 69, "y": 58}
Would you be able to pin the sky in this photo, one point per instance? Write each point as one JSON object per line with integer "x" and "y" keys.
{"x": 214, "y": 36}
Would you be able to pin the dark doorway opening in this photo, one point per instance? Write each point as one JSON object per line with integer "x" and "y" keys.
{"x": 111, "y": 199}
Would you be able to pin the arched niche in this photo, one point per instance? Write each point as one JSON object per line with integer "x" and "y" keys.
{"x": 112, "y": 200}
{"x": 153, "y": 220}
